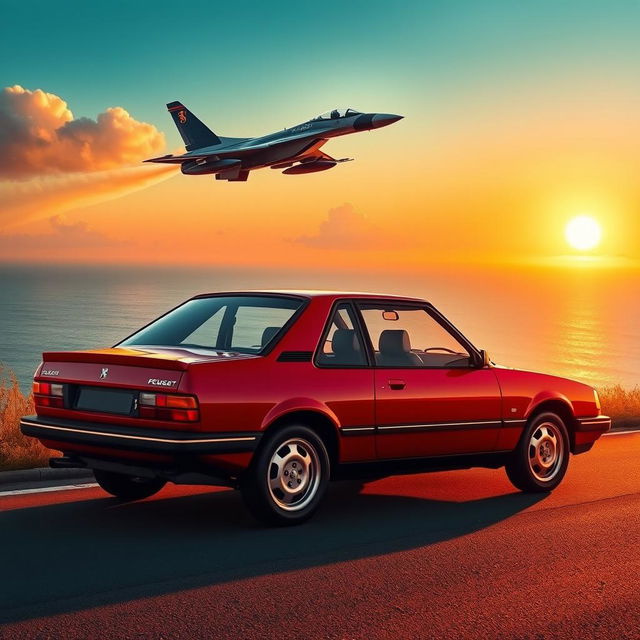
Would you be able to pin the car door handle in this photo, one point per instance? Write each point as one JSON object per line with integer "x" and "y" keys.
{"x": 396, "y": 384}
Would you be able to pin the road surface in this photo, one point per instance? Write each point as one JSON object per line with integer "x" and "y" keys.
{"x": 444, "y": 555}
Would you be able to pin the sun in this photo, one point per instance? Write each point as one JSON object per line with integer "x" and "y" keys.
{"x": 583, "y": 233}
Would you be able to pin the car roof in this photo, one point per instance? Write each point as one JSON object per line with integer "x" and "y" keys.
{"x": 315, "y": 293}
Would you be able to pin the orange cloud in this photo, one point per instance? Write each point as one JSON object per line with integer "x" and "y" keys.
{"x": 344, "y": 228}
{"x": 64, "y": 236}
{"x": 40, "y": 136}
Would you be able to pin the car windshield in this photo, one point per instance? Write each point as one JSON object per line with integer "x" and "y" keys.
{"x": 246, "y": 324}
{"x": 337, "y": 113}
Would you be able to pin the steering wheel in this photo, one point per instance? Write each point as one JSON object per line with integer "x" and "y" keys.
{"x": 442, "y": 349}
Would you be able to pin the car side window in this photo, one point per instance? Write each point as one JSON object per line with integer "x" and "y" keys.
{"x": 255, "y": 327}
{"x": 342, "y": 344}
{"x": 411, "y": 337}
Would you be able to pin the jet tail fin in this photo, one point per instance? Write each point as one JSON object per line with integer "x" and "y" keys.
{"x": 195, "y": 133}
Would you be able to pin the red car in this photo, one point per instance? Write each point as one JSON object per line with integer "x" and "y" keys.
{"x": 278, "y": 392}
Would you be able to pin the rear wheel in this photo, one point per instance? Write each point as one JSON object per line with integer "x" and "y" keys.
{"x": 288, "y": 477}
{"x": 127, "y": 487}
{"x": 540, "y": 460}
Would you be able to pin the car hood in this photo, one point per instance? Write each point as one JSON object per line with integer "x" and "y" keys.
{"x": 539, "y": 376}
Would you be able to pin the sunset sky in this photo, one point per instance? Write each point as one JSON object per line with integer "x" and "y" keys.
{"x": 518, "y": 117}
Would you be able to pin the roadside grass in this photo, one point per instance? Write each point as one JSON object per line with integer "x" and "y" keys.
{"x": 620, "y": 403}
{"x": 17, "y": 451}
{"x": 20, "y": 452}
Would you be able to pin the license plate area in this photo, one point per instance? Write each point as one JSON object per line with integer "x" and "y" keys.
{"x": 104, "y": 400}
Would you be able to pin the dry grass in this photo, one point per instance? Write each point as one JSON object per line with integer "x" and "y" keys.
{"x": 17, "y": 451}
{"x": 620, "y": 403}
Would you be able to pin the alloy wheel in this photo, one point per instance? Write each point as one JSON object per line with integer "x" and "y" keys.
{"x": 294, "y": 474}
{"x": 546, "y": 451}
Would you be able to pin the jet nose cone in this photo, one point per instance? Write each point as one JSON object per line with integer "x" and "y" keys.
{"x": 384, "y": 119}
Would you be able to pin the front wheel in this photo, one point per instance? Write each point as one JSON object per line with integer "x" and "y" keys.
{"x": 127, "y": 487}
{"x": 288, "y": 477}
{"x": 540, "y": 460}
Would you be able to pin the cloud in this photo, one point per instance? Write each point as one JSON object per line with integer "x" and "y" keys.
{"x": 344, "y": 228}
{"x": 80, "y": 234}
{"x": 39, "y": 198}
{"x": 40, "y": 136}
{"x": 51, "y": 162}
{"x": 64, "y": 236}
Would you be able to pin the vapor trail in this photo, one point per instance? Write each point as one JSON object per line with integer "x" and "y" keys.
{"x": 38, "y": 198}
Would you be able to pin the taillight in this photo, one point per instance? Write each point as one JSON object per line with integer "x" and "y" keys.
{"x": 48, "y": 394}
{"x": 164, "y": 406}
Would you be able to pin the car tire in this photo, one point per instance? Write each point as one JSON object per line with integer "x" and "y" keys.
{"x": 127, "y": 487}
{"x": 540, "y": 460}
{"x": 288, "y": 476}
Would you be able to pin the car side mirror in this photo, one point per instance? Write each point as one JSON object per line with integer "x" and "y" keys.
{"x": 485, "y": 359}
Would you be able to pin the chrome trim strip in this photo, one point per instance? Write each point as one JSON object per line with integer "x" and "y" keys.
{"x": 594, "y": 420}
{"x": 440, "y": 424}
{"x": 128, "y": 437}
{"x": 353, "y": 429}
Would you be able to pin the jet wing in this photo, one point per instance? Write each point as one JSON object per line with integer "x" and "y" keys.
{"x": 315, "y": 153}
{"x": 321, "y": 155}
{"x": 170, "y": 159}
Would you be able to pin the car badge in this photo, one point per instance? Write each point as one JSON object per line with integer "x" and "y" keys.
{"x": 104, "y": 373}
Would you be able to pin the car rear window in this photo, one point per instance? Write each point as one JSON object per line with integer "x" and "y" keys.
{"x": 246, "y": 324}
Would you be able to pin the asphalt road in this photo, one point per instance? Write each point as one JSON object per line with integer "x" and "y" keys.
{"x": 444, "y": 555}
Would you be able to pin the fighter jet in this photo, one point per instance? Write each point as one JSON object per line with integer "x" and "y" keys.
{"x": 295, "y": 150}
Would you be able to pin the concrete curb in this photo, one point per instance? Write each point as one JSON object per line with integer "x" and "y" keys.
{"x": 43, "y": 475}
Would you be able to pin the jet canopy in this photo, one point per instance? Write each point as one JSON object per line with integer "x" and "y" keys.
{"x": 337, "y": 113}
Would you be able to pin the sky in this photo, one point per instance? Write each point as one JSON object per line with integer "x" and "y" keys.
{"x": 517, "y": 118}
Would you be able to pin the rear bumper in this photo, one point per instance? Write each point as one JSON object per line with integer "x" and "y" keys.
{"x": 137, "y": 439}
{"x": 597, "y": 423}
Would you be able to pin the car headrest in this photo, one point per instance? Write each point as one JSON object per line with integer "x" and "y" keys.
{"x": 344, "y": 341}
{"x": 268, "y": 335}
{"x": 394, "y": 341}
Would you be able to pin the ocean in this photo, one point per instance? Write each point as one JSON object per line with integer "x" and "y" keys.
{"x": 582, "y": 322}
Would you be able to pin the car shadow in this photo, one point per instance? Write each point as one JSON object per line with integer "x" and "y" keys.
{"x": 100, "y": 551}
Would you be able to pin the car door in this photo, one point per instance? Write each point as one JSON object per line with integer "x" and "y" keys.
{"x": 431, "y": 398}
{"x": 344, "y": 376}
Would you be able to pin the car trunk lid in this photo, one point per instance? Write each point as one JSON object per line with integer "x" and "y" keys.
{"x": 140, "y": 367}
